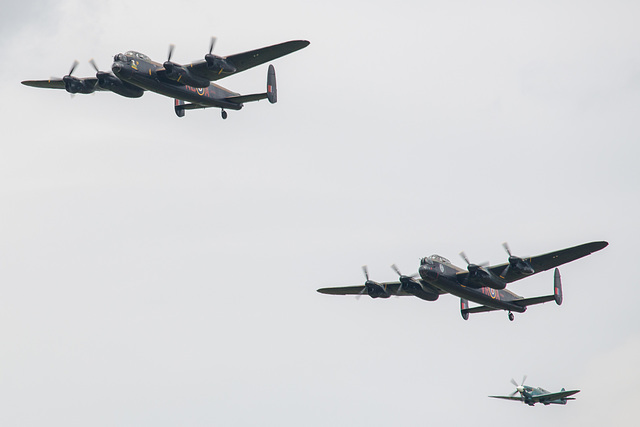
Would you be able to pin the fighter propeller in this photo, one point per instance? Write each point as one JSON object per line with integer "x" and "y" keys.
{"x": 519, "y": 388}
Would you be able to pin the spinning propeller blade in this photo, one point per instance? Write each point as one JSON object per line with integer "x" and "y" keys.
{"x": 93, "y": 64}
{"x": 366, "y": 275}
{"x": 212, "y": 44}
{"x": 519, "y": 387}
{"x": 397, "y": 270}
{"x": 73, "y": 67}
{"x": 506, "y": 269}
{"x": 366, "y": 272}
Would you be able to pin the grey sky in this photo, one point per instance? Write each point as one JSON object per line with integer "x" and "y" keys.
{"x": 162, "y": 271}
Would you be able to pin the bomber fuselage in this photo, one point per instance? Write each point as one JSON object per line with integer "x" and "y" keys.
{"x": 139, "y": 70}
{"x": 439, "y": 273}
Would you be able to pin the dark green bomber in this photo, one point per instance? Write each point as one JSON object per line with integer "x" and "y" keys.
{"x": 190, "y": 85}
{"x": 484, "y": 285}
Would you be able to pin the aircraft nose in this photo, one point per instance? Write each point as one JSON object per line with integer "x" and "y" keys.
{"x": 121, "y": 70}
{"x": 428, "y": 273}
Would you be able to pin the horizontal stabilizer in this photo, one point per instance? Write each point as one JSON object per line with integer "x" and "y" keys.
{"x": 479, "y": 309}
{"x": 246, "y": 98}
{"x": 532, "y": 301}
{"x": 184, "y": 106}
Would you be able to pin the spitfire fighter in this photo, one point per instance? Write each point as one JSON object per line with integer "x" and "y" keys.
{"x": 484, "y": 285}
{"x": 532, "y": 395}
{"x": 190, "y": 85}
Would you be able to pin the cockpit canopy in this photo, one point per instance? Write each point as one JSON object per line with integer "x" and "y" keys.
{"x": 435, "y": 258}
{"x": 138, "y": 55}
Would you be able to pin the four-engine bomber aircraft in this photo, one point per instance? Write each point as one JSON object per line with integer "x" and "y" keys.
{"x": 532, "y": 395}
{"x": 190, "y": 85}
{"x": 478, "y": 283}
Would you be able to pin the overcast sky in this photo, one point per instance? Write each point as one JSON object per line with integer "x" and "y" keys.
{"x": 162, "y": 271}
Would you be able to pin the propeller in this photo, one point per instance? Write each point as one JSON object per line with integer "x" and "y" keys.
{"x": 472, "y": 268}
{"x": 404, "y": 280}
{"x": 372, "y": 287}
{"x": 505, "y": 245}
{"x": 212, "y": 44}
{"x": 519, "y": 388}
{"x": 514, "y": 261}
{"x": 168, "y": 65}
{"x": 365, "y": 270}
{"x": 101, "y": 75}
{"x": 93, "y": 64}
{"x": 73, "y": 67}
{"x": 72, "y": 84}
{"x": 215, "y": 62}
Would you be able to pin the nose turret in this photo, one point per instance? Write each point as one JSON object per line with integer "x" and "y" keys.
{"x": 120, "y": 66}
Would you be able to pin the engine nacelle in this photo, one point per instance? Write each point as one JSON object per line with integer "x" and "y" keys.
{"x": 76, "y": 85}
{"x": 219, "y": 64}
{"x": 374, "y": 290}
{"x": 182, "y": 75}
{"x": 110, "y": 82}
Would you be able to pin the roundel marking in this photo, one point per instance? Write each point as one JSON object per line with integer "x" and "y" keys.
{"x": 200, "y": 91}
{"x": 442, "y": 268}
{"x": 492, "y": 292}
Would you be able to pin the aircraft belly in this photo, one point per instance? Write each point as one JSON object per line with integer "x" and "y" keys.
{"x": 475, "y": 295}
{"x": 202, "y": 96}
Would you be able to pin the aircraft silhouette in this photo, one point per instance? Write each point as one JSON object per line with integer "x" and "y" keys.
{"x": 484, "y": 285}
{"x": 190, "y": 85}
{"x": 532, "y": 395}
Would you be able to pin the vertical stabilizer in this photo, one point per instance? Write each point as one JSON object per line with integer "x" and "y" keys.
{"x": 557, "y": 287}
{"x": 464, "y": 306}
{"x": 177, "y": 105}
{"x": 272, "y": 90}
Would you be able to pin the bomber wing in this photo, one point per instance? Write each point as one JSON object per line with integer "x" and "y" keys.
{"x": 547, "y": 261}
{"x": 391, "y": 287}
{"x": 246, "y": 60}
{"x": 59, "y": 83}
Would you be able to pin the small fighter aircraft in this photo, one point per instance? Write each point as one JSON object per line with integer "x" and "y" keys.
{"x": 484, "y": 285}
{"x": 190, "y": 85}
{"x": 533, "y": 395}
